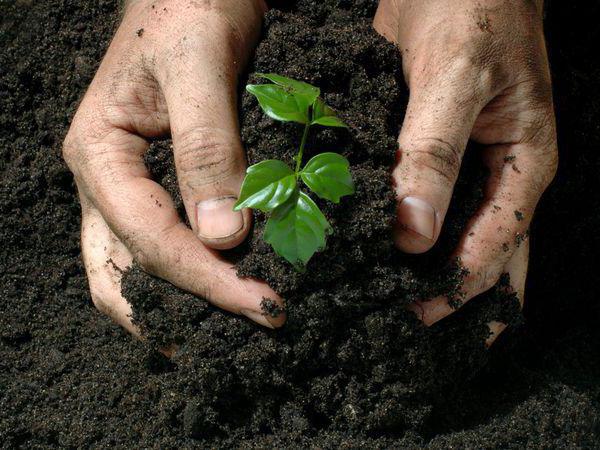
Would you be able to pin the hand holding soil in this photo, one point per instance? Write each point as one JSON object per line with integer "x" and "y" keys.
{"x": 476, "y": 70}
{"x": 172, "y": 68}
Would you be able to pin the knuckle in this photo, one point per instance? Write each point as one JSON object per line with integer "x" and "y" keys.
{"x": 70, "y": 151}
{"x": 206, "y": 157}
{"x": 544, "y": 150}
{"x": 144, "y": 258}
{"x": 493, "y": 77}
{"x": 439, "y": 156}
{"x": 481, "y": 280}
{"x": 78, "y": 149}
{"x": 222, "y": 18}
{"x": 148, "y": 249}
{"x": 478, "y": 68}
{"x": 209, "y": 19}
{"x": 484, "y": 270}
{"x": 486, "y": 73}
{"x": 140, "y": 249}
{"x": 236, "y": 32}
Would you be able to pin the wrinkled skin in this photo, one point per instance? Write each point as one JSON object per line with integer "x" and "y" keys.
{"x": 172, "y": 68}
{"x": 476, "y": 70}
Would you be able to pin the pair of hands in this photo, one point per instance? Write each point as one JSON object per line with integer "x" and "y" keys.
{"x": 476, "y": 70}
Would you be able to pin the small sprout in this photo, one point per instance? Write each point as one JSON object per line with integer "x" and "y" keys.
{"x": 296, "y": 228}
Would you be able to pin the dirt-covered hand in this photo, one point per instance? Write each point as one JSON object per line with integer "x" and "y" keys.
{"x": 476, "y": 69}
{"x": 172, "y": 68}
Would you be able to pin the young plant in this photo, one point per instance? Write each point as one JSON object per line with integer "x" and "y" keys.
{"x": 296, "y": 227}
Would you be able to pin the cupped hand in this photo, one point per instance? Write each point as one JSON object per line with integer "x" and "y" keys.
{"x": 476, "y": 69}
{"x": 172, "y": 68}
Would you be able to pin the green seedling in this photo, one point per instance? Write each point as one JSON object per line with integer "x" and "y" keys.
{"x": 296, "y": 228}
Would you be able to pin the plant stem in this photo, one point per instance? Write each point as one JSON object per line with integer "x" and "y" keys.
{"x": 301, "y": 151}
{"x": 303, "y": 141}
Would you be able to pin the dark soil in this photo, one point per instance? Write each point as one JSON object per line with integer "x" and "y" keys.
{"x": 351, "y": 367}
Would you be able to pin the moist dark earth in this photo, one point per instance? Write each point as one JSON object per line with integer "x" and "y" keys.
{"x": 351, "y": 367}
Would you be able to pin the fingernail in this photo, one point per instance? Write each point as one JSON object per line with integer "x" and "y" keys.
{"x": 257, "y": 317}
{"x": 418, "y": 216}
{"x": 217, "y": 219}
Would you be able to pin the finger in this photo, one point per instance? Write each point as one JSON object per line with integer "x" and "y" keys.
{"x": 519, "y": 175}
{"x": 200, "y": 88}
{"x": 430, "y": 312}
{"x": 517, "y": 271}
{"x": 442, "y": 109}
{"x": 111, "y": 173}
{"x": 105, "y": 258}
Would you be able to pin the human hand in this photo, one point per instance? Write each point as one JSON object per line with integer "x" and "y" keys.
{"x": 172, "y": 67}
{"x": 476, "y": 69}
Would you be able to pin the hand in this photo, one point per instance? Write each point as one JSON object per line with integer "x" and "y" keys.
{"x": 476, "y": 69}
{"x": 172, "y": 68}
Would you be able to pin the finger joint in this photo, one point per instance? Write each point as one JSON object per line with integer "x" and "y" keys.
{"x": 438, "y": 155}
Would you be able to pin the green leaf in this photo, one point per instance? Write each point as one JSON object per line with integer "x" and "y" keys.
{"x": 298, "y": 86}
{"x": 305, "y": 93}
{"x": 326, "y": 116}
{"x": 296, "y": 230}
{"x": 330, "y": 121}
{"x": 328, "y": 176}
{"x": 280, "y": 104}
{"x": 267, "y": 185}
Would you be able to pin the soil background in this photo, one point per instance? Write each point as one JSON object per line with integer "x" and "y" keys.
{"x": 70, "y": 378}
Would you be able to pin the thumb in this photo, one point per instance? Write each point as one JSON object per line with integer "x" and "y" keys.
{"x": 208, "y": 152}
{"x": 440, "y": 116}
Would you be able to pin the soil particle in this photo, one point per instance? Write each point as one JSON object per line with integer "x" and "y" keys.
{"x": 271, "y": 308}
{"x": 484, "y": 24}
{"x": 114, "y": 265}
{"x": 520, "y": 238}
